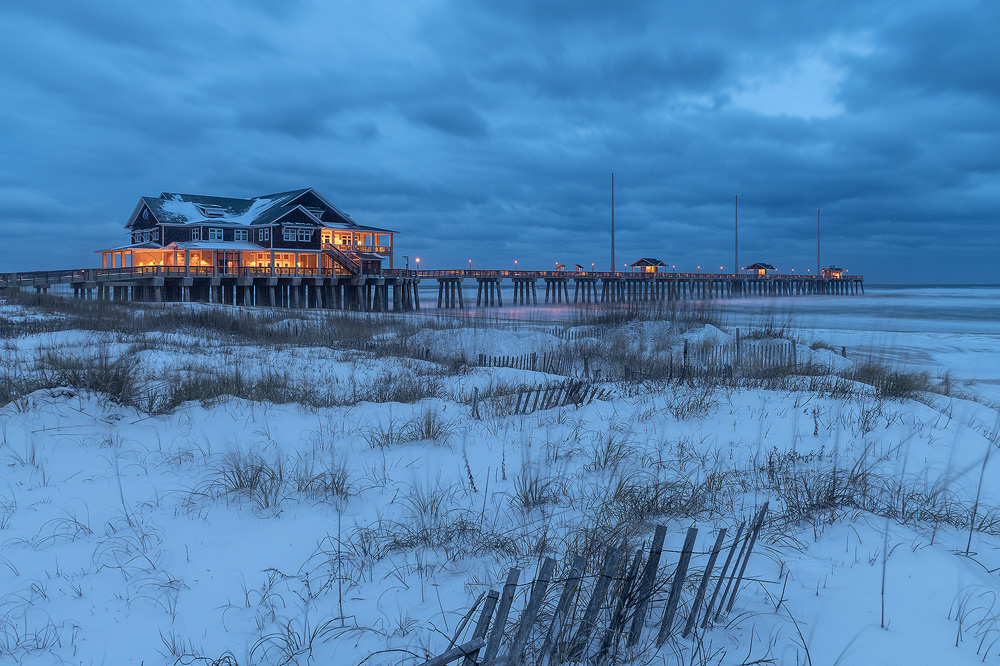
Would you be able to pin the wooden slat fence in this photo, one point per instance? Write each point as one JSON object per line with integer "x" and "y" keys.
{"x": 750, "y": 355}
{"x": 570, "y": 393}
{"x": 548, "y": 362}
{"x": 588, "y": 623}
{"x": 571, "y": 334}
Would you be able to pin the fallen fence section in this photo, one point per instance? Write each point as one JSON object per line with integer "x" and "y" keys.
{"x": 606, "y": 604}
{"x": 570, "y": 393}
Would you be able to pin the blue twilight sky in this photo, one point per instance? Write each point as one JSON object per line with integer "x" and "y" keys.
{"x": 489, "y": 130}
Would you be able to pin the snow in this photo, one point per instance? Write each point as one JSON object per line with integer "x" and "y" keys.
{"x": 189, "y": 212}
{"x": 706, "y": 335}
{"x": 470, "y": 342}
{"x": 122, "y": 542}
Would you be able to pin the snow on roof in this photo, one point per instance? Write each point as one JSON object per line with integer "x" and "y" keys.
{"x": 186, "y": 211}
{"x": 176, "y": 208}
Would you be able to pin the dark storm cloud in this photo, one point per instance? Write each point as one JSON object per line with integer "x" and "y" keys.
{"x": 450, "y": 118}
{"x": 489, "y": 130}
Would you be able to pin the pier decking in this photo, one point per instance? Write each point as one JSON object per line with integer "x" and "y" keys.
{"x": 632, "y": 287}
{"x": 396, "y": 290}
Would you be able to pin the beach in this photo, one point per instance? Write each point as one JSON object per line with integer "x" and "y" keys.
{"x": 205, "y": 484}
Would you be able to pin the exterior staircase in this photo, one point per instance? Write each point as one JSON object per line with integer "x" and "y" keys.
{"x": 348, "y": 263}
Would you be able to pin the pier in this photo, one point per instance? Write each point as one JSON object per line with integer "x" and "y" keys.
{"x": 281, "y": 287}
{"x": 396, "y": 290}
{"x": 629, "y": 287}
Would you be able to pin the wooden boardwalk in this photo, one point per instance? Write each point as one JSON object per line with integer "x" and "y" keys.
{"x": 396, "y": 290}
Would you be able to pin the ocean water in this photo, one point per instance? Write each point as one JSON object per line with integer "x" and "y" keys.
{"x": 934, "y": 328}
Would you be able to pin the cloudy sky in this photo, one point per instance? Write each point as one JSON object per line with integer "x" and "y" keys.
{"x": 489, "y": 130}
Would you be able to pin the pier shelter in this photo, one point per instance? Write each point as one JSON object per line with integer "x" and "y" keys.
{"x": 760, "y": 269}
{"x": 647, "y": 265}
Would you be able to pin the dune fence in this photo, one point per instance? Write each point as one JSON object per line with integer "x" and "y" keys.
{"x": 603, "y": 605}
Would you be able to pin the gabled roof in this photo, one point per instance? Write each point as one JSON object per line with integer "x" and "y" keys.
{"x": 646, "y": 261}
{"x": 760, "y": 267}
{"x": 182, "y": 209}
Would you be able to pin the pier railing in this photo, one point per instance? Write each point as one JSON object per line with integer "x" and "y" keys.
{"x": 43, "y": 278}
{"x": 626, "y": 275}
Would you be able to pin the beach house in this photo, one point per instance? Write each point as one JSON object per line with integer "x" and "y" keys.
{"x": 298, "y": 232}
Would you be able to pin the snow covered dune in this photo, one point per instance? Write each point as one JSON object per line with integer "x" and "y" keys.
{"x": 196, "y": 485}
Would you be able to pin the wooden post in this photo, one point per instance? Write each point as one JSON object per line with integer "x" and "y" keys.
{"x": 516, "y": 655}
{"x": 550, "y": 647}
{"x": 722, "y": 575}
{"x": 496, "y": 634}
{"x": 676, "y": 586}
{"x": 482, "y": 625}
{"x": 456, "y": 652}
{"x": 737, "y": 363}
{"x": 617, "y": 624}
{"x": 759, "y": 523}
{"x": 700, "y": 596}
{"x": 578, "y": 647}
{"x": 646, "y": 585}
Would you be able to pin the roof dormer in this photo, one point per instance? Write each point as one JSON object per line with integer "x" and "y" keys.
{"x": 209, "y": 210}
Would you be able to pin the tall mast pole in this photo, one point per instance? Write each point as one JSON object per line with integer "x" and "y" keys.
{"x": 613, "y": 264}
{"x": 736, "y": 217}
{"x": 817, "y": 241}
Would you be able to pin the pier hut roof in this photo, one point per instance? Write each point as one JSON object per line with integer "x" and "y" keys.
{"x": 760, "y": 267}
{"x": 175, "y": 208}
{"x": 646, "y": 261}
